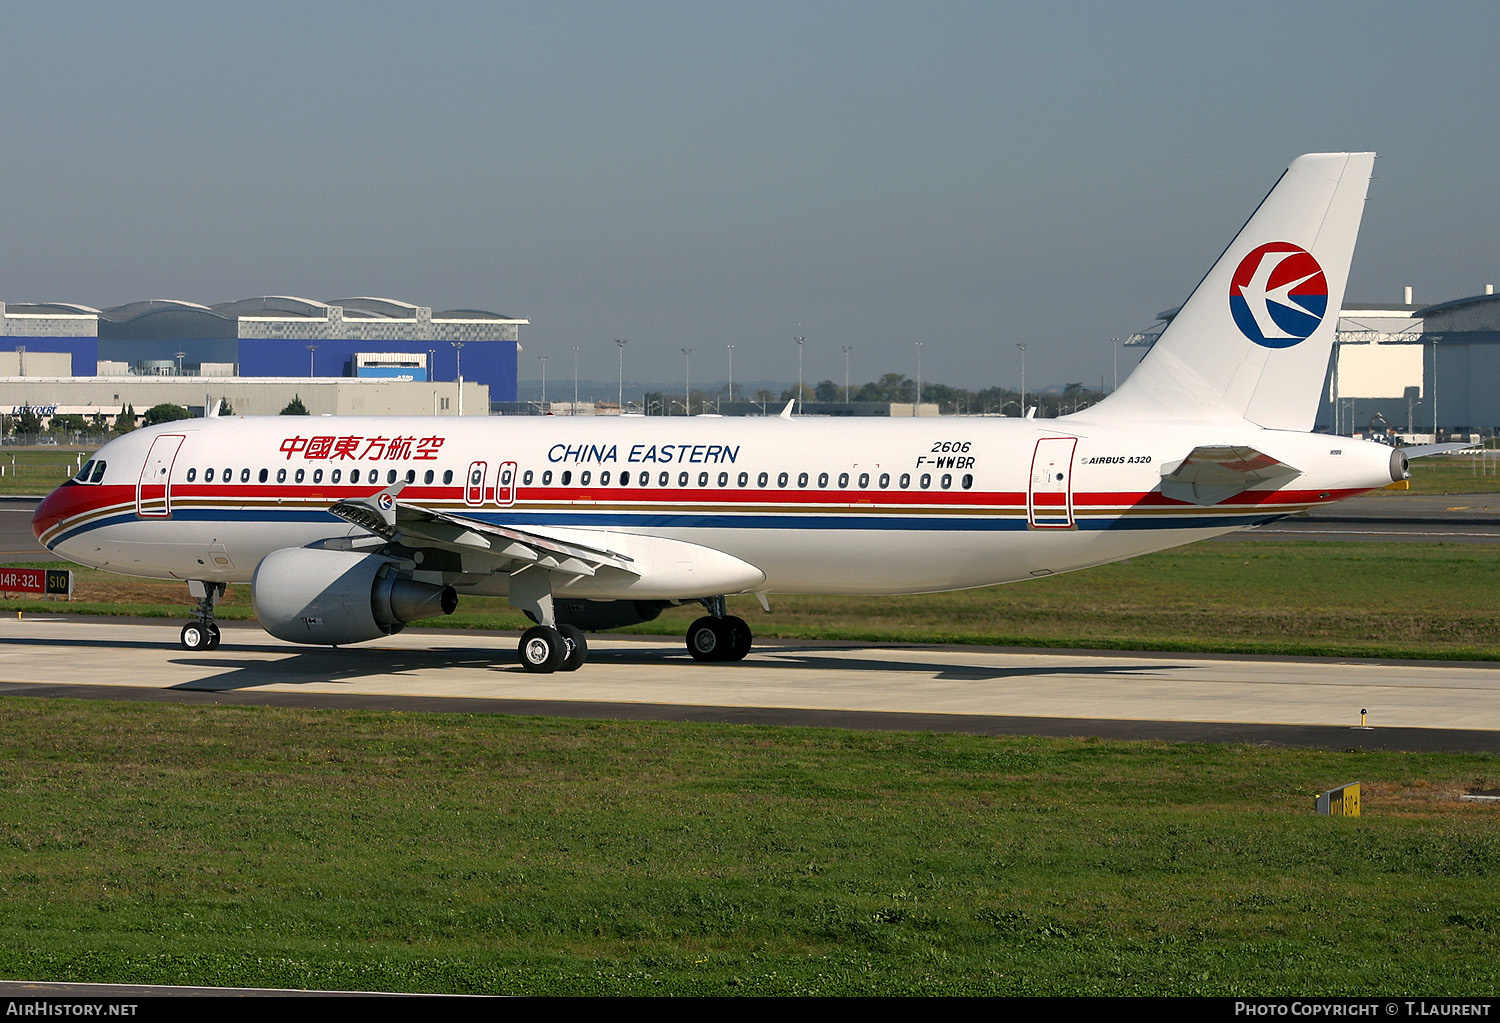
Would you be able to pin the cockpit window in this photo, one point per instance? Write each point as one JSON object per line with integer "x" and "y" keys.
{"x": 91, "y": 472}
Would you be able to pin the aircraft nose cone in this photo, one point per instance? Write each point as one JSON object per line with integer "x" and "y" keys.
{"x": 49, "y": 513}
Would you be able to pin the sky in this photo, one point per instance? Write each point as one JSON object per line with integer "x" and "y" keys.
{"x": 972, "y": 176}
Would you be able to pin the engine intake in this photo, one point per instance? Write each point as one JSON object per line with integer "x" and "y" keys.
{"x": 329, "y": 598}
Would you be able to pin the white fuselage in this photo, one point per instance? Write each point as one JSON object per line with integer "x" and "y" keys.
{"x": 816, "y": 505}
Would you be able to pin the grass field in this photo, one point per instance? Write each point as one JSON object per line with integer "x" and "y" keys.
{"x": 1253, "y": 596}
{"x": 253, "y": 846}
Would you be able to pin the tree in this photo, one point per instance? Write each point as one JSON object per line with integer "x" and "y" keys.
{"x": 225, "y": 408}
{"x": 67, "y": 425}
{"x": 165, "y": 413}
{"x": 125, "y": 421}
{"x": 295, "y": 407}
{"x": 28, "y": 423}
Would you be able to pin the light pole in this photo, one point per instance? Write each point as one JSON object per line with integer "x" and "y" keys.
{"x": 311, "y": 354}
{"x": 731, "y": 371}
{"x": 687, "y": 386}
{"x": 1022, "y": 346}
{"x": 799, "y": 341}
{"x": 575, "y": 380}
{"x": 622, "y": 345}
{"x": 180, "y": 357}
{"x": 1115, "y": 345}
{"x": 431, "y": 365}
{"x": 544, "y": 382}
{"x": 917, "y": 408}
{"x": 847, "y": 350}
{"x": 458, "y": 361}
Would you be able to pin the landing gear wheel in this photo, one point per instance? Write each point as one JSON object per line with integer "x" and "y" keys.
{"x": 739, "y": 637}
{"x": 578, "y": 648}
{"x": 213, "y": 637}
{"x": 194, "y": 636}
{"x": 542, "y": 649}
{"x": 709, "y": 640}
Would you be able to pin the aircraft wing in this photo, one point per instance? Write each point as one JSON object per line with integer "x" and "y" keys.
{"x": 1211, "y": 474}
{"x": 415, "y": 526}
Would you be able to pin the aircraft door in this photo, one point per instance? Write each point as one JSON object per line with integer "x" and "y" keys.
{"x": 1049, "y": 494}
{"x": 505, "y": 485}
{"x": 474, "y": 484}
{"x": 153, "y": 492}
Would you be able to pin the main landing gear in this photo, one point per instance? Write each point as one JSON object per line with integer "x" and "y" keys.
{"x": 549, "y": 646}
{"x": 203, "y": 633}
{"x": 718, "y": 636}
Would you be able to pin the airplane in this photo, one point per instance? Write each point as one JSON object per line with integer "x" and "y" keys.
{"x": 348, "y": 528}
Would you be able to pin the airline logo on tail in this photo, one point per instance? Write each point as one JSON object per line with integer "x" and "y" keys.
{"x": 1278, "y": 295}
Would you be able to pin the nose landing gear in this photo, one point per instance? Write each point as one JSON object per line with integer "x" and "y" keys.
{"x": 203, "y": 633}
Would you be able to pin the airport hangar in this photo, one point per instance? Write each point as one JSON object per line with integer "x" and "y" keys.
{"x": 1416, "y": 370}
{"x": 349, "y": 356}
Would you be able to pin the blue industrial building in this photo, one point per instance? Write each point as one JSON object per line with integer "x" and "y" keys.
{"x": 272, "y": 336}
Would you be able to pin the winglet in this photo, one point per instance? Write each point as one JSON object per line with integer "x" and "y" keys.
{"x": 786, "y": 413}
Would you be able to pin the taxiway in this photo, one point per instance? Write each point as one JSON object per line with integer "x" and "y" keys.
{"x": 1292, "y": 701}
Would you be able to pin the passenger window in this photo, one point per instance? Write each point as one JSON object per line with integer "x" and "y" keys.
{"x": 263, "y": 475}
{"x": 336, "y": 474}
{"x": 526, "y": 478}
{"x": 926, "y": 480}
{"x": 280, "y": 476}
{"x": 583, "y": 479}
{"x": 723, "y": 479}
{"x": 317, "y": 475}
{"x": 567, "y": 477}
{"x": 301, "y": 474}
{"x": 191, "y": 475}
{"x": 682, "y": 479}
{"x": 802, "y": 479}
{"x": 604, "y": 478}
{"x": 390, "y": 477}
{"x": 448, "y": 477}
{"x": 625, "y": 479}
{"x": 411, "y": 475}
{"x": 547, "y": 478}
{"x": 967, "y": 481}
{"x": 905, "y": 480}
{"x": 244, "y": 475}
{"x": 822, "y": 479}
{"x": 843, "y": 480}
{"x": 781, "y": 479}
{"x": 947, "y": 480}
{"x": 427, "y": 477}
{"x": 208, "y": 475}
{"x": 663, "y": 479}
{"x": 864, "y": 480}
{"x": 703, "y": 479}
{"x": 354, "y": 475}
{"x": 744, "y": 478}
{"x": 762, "y": 480}
{"x": 885, "y": 480}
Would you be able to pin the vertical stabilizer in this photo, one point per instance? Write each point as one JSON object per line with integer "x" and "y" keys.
{"x": 1253, "y": 340}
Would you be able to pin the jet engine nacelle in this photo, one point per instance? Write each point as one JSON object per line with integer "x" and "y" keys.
{"x": 329, "y": 598}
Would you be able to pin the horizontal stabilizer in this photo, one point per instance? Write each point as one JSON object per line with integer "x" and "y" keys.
{"x": 1423, "y": 450}
{"x": 1215, "y": 473}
